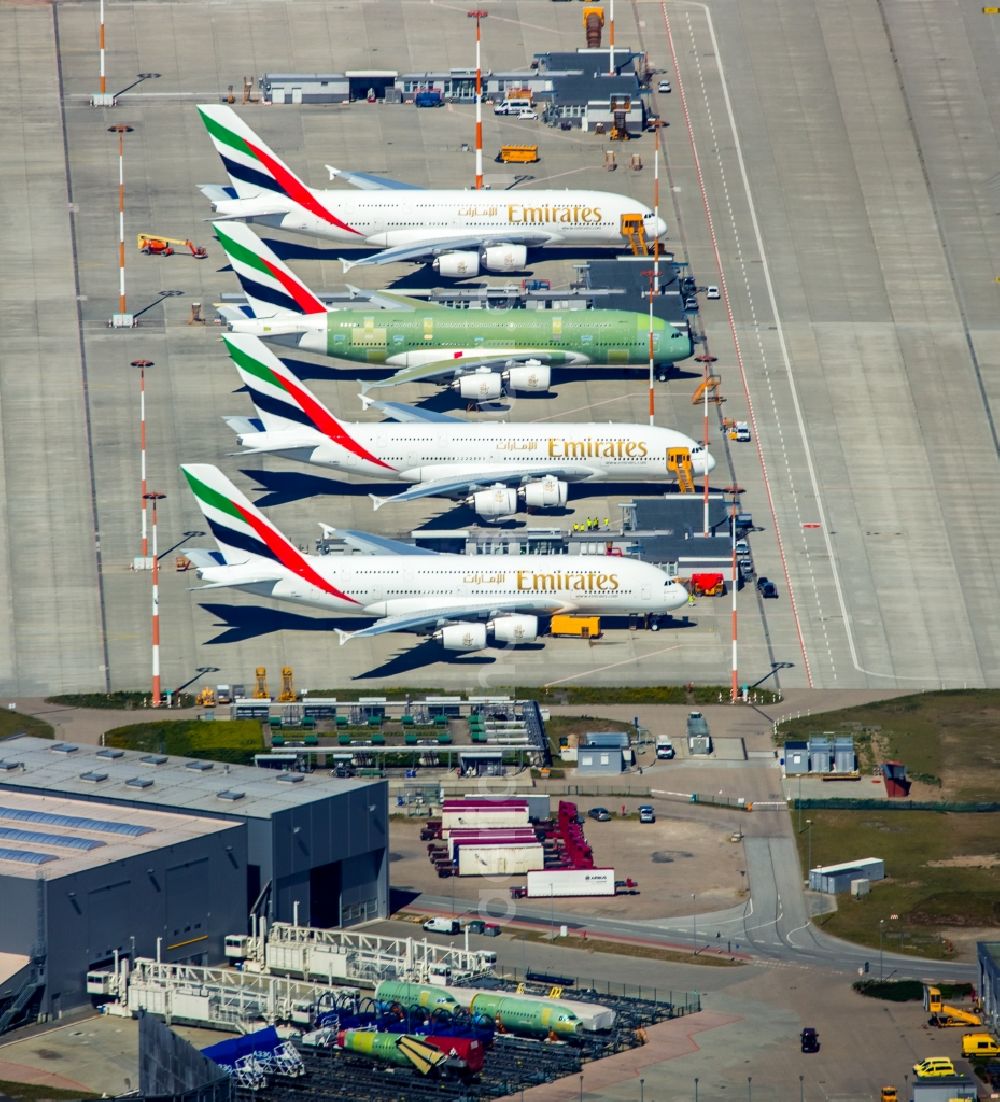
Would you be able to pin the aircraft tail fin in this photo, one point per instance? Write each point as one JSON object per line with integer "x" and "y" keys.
{"x": 253, "y": 168}
{"x": 239, "y": 528}
{"x": 244, "y": 534}
{"x": 284, "y": 402}
{"x": 269, "y": 284}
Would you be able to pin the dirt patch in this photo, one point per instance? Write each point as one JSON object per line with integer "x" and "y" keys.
{"x": 671, "y": 859}
{"x": 967, "y": 861}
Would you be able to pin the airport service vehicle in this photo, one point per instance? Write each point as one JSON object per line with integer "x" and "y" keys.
{"x": 456, "y": 599}
{"x": 740, "y": 432}
{"x": 934, "y": 1067}
{"x": 575, "y": 627}
{"x": 600, "y": 814}
{"x": 664, "y": 747}
{"x": 566, "y": 883}
{"x": 766, "y": 588}
{"x": 980, "y": 1044}
{"x": 439, "y": 925}
{"x": 809, "y": 1040}
{"x": 663, "y": 86}
{"x": 497, "y": 468}
{"x": 461, "y": 232}
{"x": 481, "y": 352}
{"x": 712, "y": 292}
{"x": 647, "y": 813}
{"x": 697, "y": 725}
{"x": 428, "y": 99}
{"x": 889, "y": 1094}
{"x": 944, "y": 1015}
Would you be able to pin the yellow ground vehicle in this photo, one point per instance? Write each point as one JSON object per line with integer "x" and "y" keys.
{"x": 980, "y": 1044}
{"x": 934, "y": 1067}
{"x": 518, "y": 154}
{"x": 889, "y": 1094}
{"x": 576, "y": 627}
{"x": 944, "y": 1015}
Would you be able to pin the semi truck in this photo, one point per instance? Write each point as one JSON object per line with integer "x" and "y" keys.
{"x": 563, "y": 883}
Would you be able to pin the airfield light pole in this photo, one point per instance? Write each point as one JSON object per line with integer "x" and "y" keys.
{"x": 809, "y": 841}
{"x": 734, "y": 688}
{"x": 881, "y": 931}
{"x": 154, "y": 497}
{"x": 121, "y": 320}
{"x": 706, "y": 361}
{"x": 141, "y": 366}
{"x": 694, "y": 921}
{"x": 611, "y": 41}
{"x": 479, "y": 15}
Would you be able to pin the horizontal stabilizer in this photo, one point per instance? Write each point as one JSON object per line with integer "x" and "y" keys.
{"x": 399, "y": 411}
{"x": 370, "y": 544}
{"x": 215, "y": 193}
{"x": 240, "y": 425}
{"x": 369, "y": 182}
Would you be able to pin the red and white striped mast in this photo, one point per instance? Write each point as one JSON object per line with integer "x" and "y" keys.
{"x": 141, "y": 366}
{"x": 479, "y": 14}
{"x": 121, "y": 320}
{"x": 153, "y": 496}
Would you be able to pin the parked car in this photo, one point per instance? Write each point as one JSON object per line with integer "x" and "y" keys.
{"x": 744, "y": 564}
{"x": 647, "y": 813}
{"x": 691, "y": 305}
{"x": 934, "y": 1067}
{"x": 766, "y": 588}
{"x": 600, "y": 814}
{"x": 809, "y": 1040}
{"x": 663, "y": 86}
{"x": 742, "y": 547}
{"x": 711, "y": 291}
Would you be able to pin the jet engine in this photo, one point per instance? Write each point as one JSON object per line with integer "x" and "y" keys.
{"x": 532, "y": 376}
{"x": 547, "y": 493}
{"x": 462, "y": 637}
{"x": 497, "y": 501}
{"x": 459, "y": 265}
{"x": 515, "y": 629}
{"x": 504, "y": 258}
{"x": 479, "y": 386}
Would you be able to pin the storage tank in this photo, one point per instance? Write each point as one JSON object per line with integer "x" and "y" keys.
{"x": 415, "y": 995}
{"x": 526, "y": 1017}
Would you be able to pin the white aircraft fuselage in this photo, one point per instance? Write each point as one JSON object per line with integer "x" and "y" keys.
{"x": 394, "y": 585}
{"x": 387, "y": 218}
{"x": 426, "y": 452}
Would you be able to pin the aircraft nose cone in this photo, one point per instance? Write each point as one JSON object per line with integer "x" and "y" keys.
{"x": 674, "y": 596}
{"x": 704, "y": 463}
{"x": 661, "y": 227}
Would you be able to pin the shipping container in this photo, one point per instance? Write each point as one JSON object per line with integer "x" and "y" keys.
{"x": 553, "y": 883}
{"x": 480, "y": 860}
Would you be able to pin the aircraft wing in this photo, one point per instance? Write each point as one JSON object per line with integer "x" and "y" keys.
{"x": 370, "y": 544}
{"x": 432, "y": 618}
{"x": 434, "y": 246}
{"x": 368, "y": 182}
{"x": 399, "y": 411}
{"x": 447, "y": 487}
{"x": 457, "y": 365}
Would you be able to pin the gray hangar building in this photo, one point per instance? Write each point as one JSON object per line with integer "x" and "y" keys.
{"x": 106, "y": 850}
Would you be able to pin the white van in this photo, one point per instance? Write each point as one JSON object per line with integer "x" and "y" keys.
{"x": 440, "y": 925}
{"x": 526, "y": 113}
{"x": 513, "y": 107}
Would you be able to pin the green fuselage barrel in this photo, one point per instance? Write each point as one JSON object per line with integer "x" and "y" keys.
{"x": 526, "y": 1017}
{"x": 564, "y": 336}
{"x": 415, "y": 996}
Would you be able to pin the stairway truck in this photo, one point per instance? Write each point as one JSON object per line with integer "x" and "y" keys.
{"x": 566, "y": 883}
{"x": 526, "y": 1018}
{"x": 413, "y": 996}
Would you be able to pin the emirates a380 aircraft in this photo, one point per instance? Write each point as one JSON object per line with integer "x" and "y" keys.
{"x": 496, "y": 467}
{"x": 462, "y": 232}
{"x": 459, "y": 599}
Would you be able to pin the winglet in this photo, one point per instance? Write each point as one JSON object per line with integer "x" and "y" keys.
{"x": 378, "y": 501}
{"x": 344, "y": 635}
{"x": 334, "y": 172}
{"x": 365, "y": 387}
{"x": 347, "y": 264}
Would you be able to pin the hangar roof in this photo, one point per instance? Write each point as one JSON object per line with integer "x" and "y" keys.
{"x": 46, "y": 837}
{"x": 160, "y": 780}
